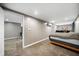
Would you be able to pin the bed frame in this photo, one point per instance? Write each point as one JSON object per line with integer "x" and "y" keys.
{"x": 65, "y": 45}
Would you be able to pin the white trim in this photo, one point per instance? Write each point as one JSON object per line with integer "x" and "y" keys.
{"x": 23, "y": 34}
{"x": 10, "y": 38}
{"x": 35, "y": 42}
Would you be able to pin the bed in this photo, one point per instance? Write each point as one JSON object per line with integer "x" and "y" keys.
{"x": 67, "y": 40}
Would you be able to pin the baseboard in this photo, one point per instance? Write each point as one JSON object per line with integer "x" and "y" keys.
{"x": 35, "y": 42}
{"x": 11, "y": 38}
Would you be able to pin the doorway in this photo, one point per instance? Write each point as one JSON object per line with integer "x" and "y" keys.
{"x": 13, "y": 38}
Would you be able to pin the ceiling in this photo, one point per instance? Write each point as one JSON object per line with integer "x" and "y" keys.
{"x": 58, "y": 12}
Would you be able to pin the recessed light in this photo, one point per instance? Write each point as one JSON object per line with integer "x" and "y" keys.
{"x": 45, "y": 23}
{"x": 52, "y": 21}
{"x": 36, "y": 12}
{"x": 50, "y": 24}
{"x": 7, "y": 19}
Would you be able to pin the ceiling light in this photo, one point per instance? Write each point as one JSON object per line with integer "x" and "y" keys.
{"x": 45, "y": 23}
{"x": 50, "y": 24}
{"x": 36, "y": 12}
{"x": 7, "y": 20}
{"x": 52, "y": 21}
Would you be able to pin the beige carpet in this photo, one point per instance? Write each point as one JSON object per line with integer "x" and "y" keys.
{"x": 13, "y": 47}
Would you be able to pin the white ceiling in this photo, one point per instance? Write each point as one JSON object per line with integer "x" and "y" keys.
{"x": 59, "y": 12}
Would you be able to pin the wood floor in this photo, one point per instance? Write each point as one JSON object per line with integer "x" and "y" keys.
{"x": 13, "y": 47}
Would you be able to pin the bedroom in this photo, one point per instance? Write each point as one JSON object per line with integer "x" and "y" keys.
{"x": 37, "y": 23}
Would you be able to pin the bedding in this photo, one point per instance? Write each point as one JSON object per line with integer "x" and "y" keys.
{"x": 66, "y": 35}
{"x": 69, "y": 39}
{"x": 70, "y": 42}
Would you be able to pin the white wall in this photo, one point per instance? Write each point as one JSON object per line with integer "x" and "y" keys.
{"x": 12, "y": 30}
{"x": 53, "y": 29}
{"x": 1, "y": 32}
{"x": 77, "y": 25}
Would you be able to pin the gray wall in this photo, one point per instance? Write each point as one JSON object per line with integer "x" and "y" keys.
{"x": 12, "y": 30}
{"x": 1, "y": 32}
{"x": 12, "y": 16}
{"x": 34, "y": 30}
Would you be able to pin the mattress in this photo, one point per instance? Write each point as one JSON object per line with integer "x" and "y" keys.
{"x": 70, "y": 42}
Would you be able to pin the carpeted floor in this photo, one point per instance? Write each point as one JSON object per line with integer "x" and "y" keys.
{"x": 13, "y": 47}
